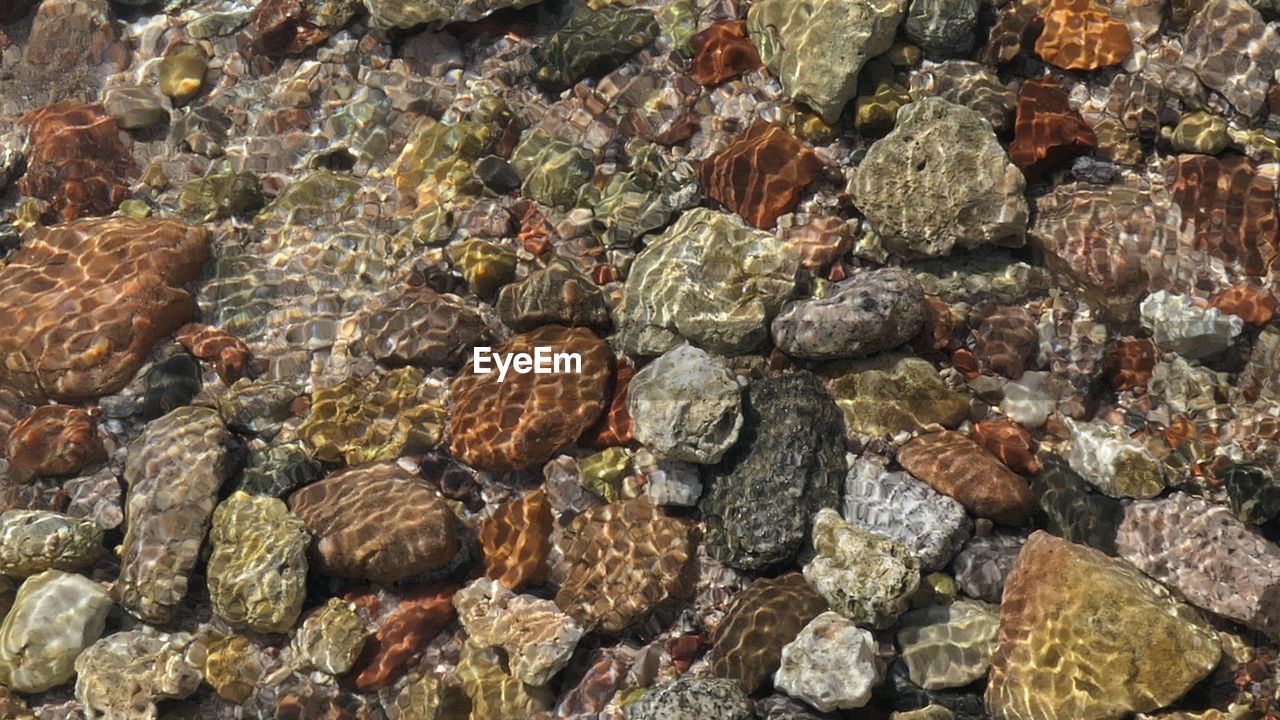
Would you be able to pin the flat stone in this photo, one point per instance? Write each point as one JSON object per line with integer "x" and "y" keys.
{"x": 957, "y": 467}
{"x": 722, "y": 52}
{"x": 1179, "y": 324}
{"x": 892, "y": 393}
{"x": 32, "y": 541}
{"x": 53, "y": 440}
{"x": 406, "y": 14}
{"x": 831, "y": 664}
{"x": 866, "y": 314}
{"x": 54, "y": 617}
{"x": 375, "y": 418}
{"x": 967, "y": 83}
{"x": 760, "y": 174}
{"x": 76, "y": 161}
{"x": 516, "y": 539}
{"x": 418, "y": 326}
{"x": 552, "y": 170}
{"x": 1117, "y": 465}
{"x": 1047, "y": 132}
{"x": 135, "y": 107}
{"x": 592, "y": 43}
{"x": 686, "y": 405}
{"x": 949, "y": 646}
{"x": 899, "y": 507}
{"x": 556, "y": 294}
{"x": 863, "y": 576}
{"x": 759, "y": 622}
{"x": 331, "y": 638}
{"x": 942, "y": 28}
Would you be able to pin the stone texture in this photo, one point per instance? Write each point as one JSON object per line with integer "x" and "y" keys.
{"x": 892, "y": 393}
{"x": 722, "y": 52}
{"x": 1234, "y": 52}
{"x": 1082, "y": 35}
{"x": 866, "y": 314}
{"x": 957, "y": 467}
{"x": 258, "y": 570}
{"x": 516, "y": 540}
{"x": 53, "y": 440}
{"x": 831, "y": 664}
{"x": 182, "y": 71}
{"x": 537, "y": 637}
{"x": 221, "y": 195}
{"x": 76, "y": 161}
{"x": 760, "y": 174}
{"x": 407, "y": 621}
{"x": 984, "y": 563}
{"x": 1180, "y": 324}
{"x": 556, "y": 294}
{"x": 863, "y": 576}
{"x": 173, "y": 471}
{"x": 289, "y": 27}
{"x": 1112, "y": 462}
{"x": 331, "y": 637}
{"x": 970, "y": 84}
{"x": 939, "y": 181}
{"x": 942, "y": 28}
{"x": 231, "y": 358}
{"x": 686, "y": 405}
{"x": 818, "y": 50}
{"x": 418, "y": 326}
{"x": 788, "y": 462}
{"x": 692, "y": 699}
{"x": 487, "y": 266}
{"x": 1005, "y": 341}
{"x": 1230, "y": 207}
{"x": 1084, "y": 635}
{"x": 1010, "y": 443}
{"x": 32, "y": 541}
{"x": 525, "y": 418}
{"x": 1253, "y": 493}
{"x": 54, "y": 617}
{"x": 899, "y": 507}
{"x": 1070, "y": 508}
{"x": 493, "y": 691}
{"x": 710, "y": 279}
{"x": 1047, "y": 132}
{"x": 593, "y": 43}
{"x": 169, "y": 384}
{"x": 375, "y": 418}
{"x": 59, "y": 339}
{"x": 135, "y": 107}
{"x": 552, "y": 170}
{"x": 759, "y": 622}
{"x": 1200, "y": 132}
{"x": 125, "y": 674}
{"x": 949, "y": 646}
{"x": 358, "y": 534}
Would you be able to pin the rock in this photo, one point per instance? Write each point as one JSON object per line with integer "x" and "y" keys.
{"x": 127, "y": 673}
{"x": 537, "y": 637}
{"x": 970, "y": 84}
{"x": 486, "y": 266}
{"x": 709, "y": 279}
{"x": 1200, "y": 132}
{"x": 929, "y": 712}
{"x": 32, "y": 541}
{"x": 331, "y": 638}
{"x": 817, "y": 51}
{"x": 1070, "y": 508}
{"x": 628, "y": 204}
{"x": 949, "y": 646}
{"x": 135, "y": 107}
{"x": 891, "y": 394}
{"x": 605, "y": 472}
{"x": 759, "y": 622}
{"x": 556, "y": 294}
{"x": 174, "y": 471}
{"x": 54, "y": 440}
{"x": 722, "y": 52}
{"x": 234, "y": 667}
{"x": 1254, "y": 306}
{"x": 357, "y": 534}
{"x": 1011, "y": 445}
{"x": 592, "y": 43}
{"x": 1234, "y": 52}
{"x": 957, "y": 467}
{"x": 863, "y": 576}
{"x": 938, "y": 181}
{"x": 221, "y": 195}
{"x": 760, "y": 174}
{"x": 258, "y": 570}
{"x": 438, "y": 161}
{"x": 552, "y": 170}
{"x": 228, "y": 353}
{"x": 420, "y": 327}
{"x": 1047, "y": 131}
{"x": 54, "y": 617}
{"x": 899, "y": 507}
{"x": 70, "y": 36}
{"x": 782, "y": 707}
{"x": 903, "y": 695}
{"x": 1029, "y": 401}
{"x": 1253, "y": 493}
{"x": 58, "y": 340}
{"x": 493, "y": 692}
{"x": 76, "y": 161}
{"x": 942, "y": 28}
{"x": 1207, "y": 556}
{"x": 1233, "y": 207}
{"x": 984, "y": 562}
{"x": 875, "y": 114}
{"x": 1005, "y": 341}
{"x": 182, "y": 71}
{"x": 869, "y": 313}
{"x": 831, "y": 664}
{"x": 788, "y": 462}
{"x": 497, "y": 174}
{"x": 375, "y": 418}
{"x": 1118, "y": 466}
{"x": 691, "y": 699}
{"x": 1130, "y": 362}
{"x": 686, "y": 405}
{"x": 407, "y": 621}
{"x": 620, "y": 562}
{"x": 1073, "y": 618}
{"x": 288, "y": 27}
{"x": 405, "y": 14}
{"x": 168, "y": 385}
{"x": 96, "y": 497}
{"x": 1179, "y": 324}
{"x": 668, "y": 482}
{"x": 1082, "y": 35}
{"x": 259, "y": 407}
{"x": 507, "y": 423}
{"x": 516, "y": 540}
{"x": 431, "y": 697}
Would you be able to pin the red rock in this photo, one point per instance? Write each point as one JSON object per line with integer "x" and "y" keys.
{"x": 516, "y": 540}
{"x": 72, "y": 36}
{"x": 1130, "y": 362}
{"x": 78, "y": 162}
{"x": 961, "y": 469}
{"x": 819, "y": 242}
{"x": 1047, "y": 131}
{"x": 1012, "y": 445}
{"x": 288, "y": 27}
{"x": 402, "y": 635}
{"x": 721, "y": 52}
{"x": 936, "y": 335}
{"x": 54, "y": 440}
{"x": 1017, "y": 24}
{"x": 229, "y": 354}
{"x": 614, "y": 426}
{"x": 760, "y": 174}
{"x": 1005, "y": 341}
{"x": 1255, "y": 306}
{"x": 1081, "y": 35}
{"x": 1232, "y": 208}
{"x": 760, "y": 620}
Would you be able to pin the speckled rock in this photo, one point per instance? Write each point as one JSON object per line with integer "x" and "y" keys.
{"x": 493, "y": 691}
{"x": 958, "y": 467}
{"x": 375, "y": 418}
{"x": 1179, "y": 324}
{"x": 552, "y": 170}
{"x": 1207, "y": 555}
{"x": 686, "y": 405}
{"x": 863, "y": 576}
{"x": 1234, "y": 52}
{"x": 759, "y": 622}
{"x": 173, "y": 471}
{"x": 1071, "y": 508}
{"x": 710, "y": 279}
{"x": 1253, "y": 493}
{"x": 970, "y": 84}
{"x": 760, "y": 175}
{"x": 940, "y": 180}
{"x": 125, "y": 674}
{"x": 556, "y": 294}
{"x": 593, "y": 43}
{"x": 869, "y": 313}
{"x": 53, "y": 440}
{"x": 418, "y": 326}
{"x": 1005, "y": 341}
{"x": 817, "y": 50}
{"x": 942, "y": 28}
{"x": 831, "y": 664}
{"x": 1117, "y": 465}
{"x": 668, "y": 482}
{"x": 893, "y": 393}
{"x": 168, "y": 385}
{"x": 1073, "y": 618}
{"x": 537, "y": 637}
{"x": 788, "y": 462}
{"x": 946, "y": 646}
{"x": 984, "y": 562}
{"x": 404, "y": 14}
{"x": 221, "y": 195}
{"x": 233, "y": 667}
{"x": 692, "y": 699}
{"x": 358, "y": 534}
{"x": 331, "y": 637}
{"x": 32, "y": 541}
{"x": 899, "y": 507}
{"x": 257, "y": 572}
{"x": 54, "y": 617}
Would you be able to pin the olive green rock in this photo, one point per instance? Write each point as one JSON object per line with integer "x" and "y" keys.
{"x": 32, "y": 541}
{"x": 135, "y": 107}
{"x": 552, "y": 171}
{"x": 628, "y": 204}
{"x": 182, "y": 73}
{"x": 331, "y": 638}
{"x": 865, "y": 577}
{"x": 405, "y": 14}
{"x": 890, "y": 394}
{"x": 591, "y": 44}
{"x": 1200, "y": 132}
{"x": 258, "y": 570}
{"x": 221, "y": 195}
{"x": 55, "y": 616}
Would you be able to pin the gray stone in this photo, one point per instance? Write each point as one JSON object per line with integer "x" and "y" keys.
{"x": 831, "y": 664}
{"x": 54, "y": 617}
{"x": 897, "y": 506}
{"x": 1111, "y": 461}
{"x": 947, "y": 646}
{"x": 1177, "y": 323}
{"x": 869, "y": 313}
{"x": 686, "y": 405}
{"x": 1233, "y": 51}
{"x": 688, "y": 699}
{"x": 135, "y": 107}
{"x": 984, "y": 562}
{"x": 941, "y": 28}
{"x": 405, "y": 14}
{"x": 863, "y": 576}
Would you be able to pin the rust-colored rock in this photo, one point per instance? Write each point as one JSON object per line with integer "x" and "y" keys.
{"x": 958, "y": 467}
{"x": 521, "y": 420}
{"x": 721, "y": 52}
{"x": 516, "y": 539}
{"x": 760, "y": 174}
{"x": 288, "y": 27}
{"x": 614, "y": 426}
{"x": 54, "y": 440}
{"x": 82, "y": 304}
{"x": 1047, "y": 131}
{"x": 1253, "y": 305}
{"x": 768, "y": 614}
{"x": 1011, "y": 444}
{"x": 1081, "y": 35}
{"x": 228, "y": 353}
{"x": 77, "y": 162}
{"x": 819, "y": 242}
{"x": 403, "y": 632}
{"x": 1017, "y": 24}
{"x": 1005, "y": 341}
{"x": 1130, "y": 362}
{"x": 1231, "y": 208}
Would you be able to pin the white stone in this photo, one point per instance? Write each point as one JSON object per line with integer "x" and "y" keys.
{"x": 538, "y": 638}
{"x": 1178, "y": 324}
{"x": 830, "y": 665}
{"x": 1028, "y": 400}
{"x": 668, "y": 482}
{"x": 897, "y": 506}
{"x": 686, "y": 405}
{"x": 1117, "y": 465}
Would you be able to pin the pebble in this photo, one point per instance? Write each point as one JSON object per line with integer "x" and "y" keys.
{"x": 949, "y": 646}
{"x": 54, "y": 617}
{"x": 891, "y": 394}
{"x": 537, "y": 637}
{"x": 258, "y": 569}
{"x": 54, "y": 440}
{"x": 1111, "y": 461}
{"x": 686, "y": 405}
{"x": 959, "y": 468}
{"x": 899, "y": 507}
{"x": 867, "y": 314}
{"x": 33, "y": 541}
{"x": 688, "y": 699}
{"x": 831, "y": 664}
{"x": 182, "y": 73}
{"x": 760, "y": 175}
{"x": 865, "y": 577}
{"x": 758, "y": 623}
{"x": 126, "y": 674}
{"x": 983, "y": 564}
{"x": 331, "y": 638}
{"x": 1178, "y": 324}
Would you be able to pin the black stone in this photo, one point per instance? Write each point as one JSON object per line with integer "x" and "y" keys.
{"x": 497, "y": 174}
{"x": 1072, "y": 509}
{"x": 170, "y": 384}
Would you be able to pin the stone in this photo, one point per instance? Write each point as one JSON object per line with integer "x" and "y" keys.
{"x": 221, "y": 195}
{"x": 126, "y": 674}
{"x": 1118, "y": 466}
{"x": 169, "y": 384}
{"x": 620, "y": 562}
{"x": 407, "y": 621}
{"x": 1028, "y": 401}
{"x": 438, "y": 161}
{"x": 493, "y": 691}
{"x": 135, "y": 107}
{"x": 722, "y": 52}
{"x": 628, "y": 204}
{"x": 289, "y": 27}
{"x": 357, "y": 534}
{"x": 896, "y": 506}
{"x": 1005, "y": 341}
{"x": 537, "y": 637}
{"x": 173, "y": 471}
{"x": 605, "y": 472}
{"x": 96, "y": 497}
{"x": 1178, "y": 323}
{"x": 72, "y": 36}
{"x": 54, "y": 617}
{"x": 894, "y": 393}
{"x": 331, "y": 637}
{"x": 182, "y": 72}
{"x": 787, "y": 464}
{"x": 1230, "y": 207}
{"x": 1085, "y": 635}
{"x": 686, "y": 405}
{"x": 942, "y": 28}
{"x": 230, "y": 356}
{"x": 32, "y": 541}
{"x": 831, "y": 664}
{"x": 939, "y": 181}
{"x": 1047, "y": 132}
{"x": 1011, "y": 445}
{"x": 513, "y": 422}
{"x": 1253, "y": 493}
{"x": 76, "y": 161}
{"x": 558, "y": 294}
{"x": 949, "y": 646}
{"x": 984, "y": 562}
{"x": 970, "y": 84}
{"x": 864, "y": 315}
{"x": 1206, "y": 555}
{"x": 875, "y": 114}
{"x": 1070, "y": 508}
{"x": 516, "y": 540}
{"x": 692, "y": 699}
{"x": 668, "y": 482}
{"x": 58, "y": 339}
{"x": 552, "y": 170}
{"x": 420, "y": 327}
{"x": 759, "y": 622}
{"x": 1254, "y": 306}
{"x": 709, "y": 279}
{"x": 431, "y": 697}
{"x": 1130, "y": 362}
{"x": 865, "y": 577}
{"x": 817, "y": 51}
{"x": 1082, "y": 35}
{"x": 592, "y": 43}
{"x": 234, "y": 666}
{"x": 375, "y": 418}
{"x": 260, "y": 408}
{"x": 486, "y": 266}
{"x": 53, "y": 440}
{"x": 760, "y": 174}
{"x": 258, "y": 569}
{"x": 406, "y": 15}
{"x": 1233, "y": 51}
{"x": 1200, "y": 132}
{"x": 959, "y": 468}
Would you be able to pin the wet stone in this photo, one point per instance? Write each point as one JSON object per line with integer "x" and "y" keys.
{"x": 1070, "y": 508}
{"x": 486, "y": 266}
{"x": 556, "y": 294}
{"x": 1233, "y": 207}
{"x": 592, "y": 43}
{"x": 970, "y": 84}
{"x": 76, "y": 161}
{"x": 1082, "y": 35}
{"x": 53, "y": 440}
{"x": 1234, "y": 52}
{"x": 182, "y": 73}
{"x": 893, "y": 394}
{"x": 686, "y": 405}
{"x": 722, "y": 52}
{"x": 942, "y": 28}
{"x": 865, "y": 577}
{"x": 1005, "y": 341}
{"x": 1253, "y": 493}
{"x": 407, "y": 620}
{"x": 759, "y": 622}
{"x": 406, "y": 14}
{"x": 1200, "y": 132}
{"x": 869, "y": 313}
{"x": 690, "y": 699}
{"x": 1047, "y": 132}
{"x": 135, "y": 107}
{"x": 257, "y": 571}
{"x": 331, "y": 637}
{"x": 288, "y": 27}
{"x": 1179, "y": 324}
{"x": 899, "y": 507}
{"x": 516, "y": 540}
{"x": 984, "y": 562}
{"x": 759, "y": 175}
{"x": 375, "y": 418}
{"x": 537, "y": 637}
{"x": 947, "y": 646}
{"x": 228, "y": 354}
{"x": 493, "y": 691}
{"x": 830, "y": 665}
{"x": 127, "y": 673}
{"x": 169, "y": 385}
{"x": 221, "y": 195}
{"x": 1111, "y": 461}
{"x": 957, "y": 467}
{"x": 54, "y": 617}
{"x": 32, "y": 541}
{"x": 552, "y": 170}
{"x": 418, "y": 326}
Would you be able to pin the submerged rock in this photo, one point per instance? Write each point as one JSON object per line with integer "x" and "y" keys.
{"x": 126, "y": 674}
{"x": 32, "y": 541}
{"x": 831, "y": 664}
{"x": 759, "y": 622}
{"x": 537, "y": 637}
{"x": 258, "y": 570}
{"x": 331, "y": 638}
{"x": 1117, "y": 465}
{"x": 375, "y": 418}
{"x": 1179, "y": 324}
{"x": 958, "y": 467}
{"x": 593, "y": 43}
{"x": 863, "y": 576}
{"x": 690, "y": 699}
{"x": 54, "y": 617}
{"x": 899, "y": 507}
{"x": 556, "y": 294}
{"x": 686, "y": 405}
{"x": 53, "y": 440}
{"x": 760, "y": 175}
{"x": 948, "y": 646}
{"x": 869, "y": 313}
{"x": 892, "y": 393}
